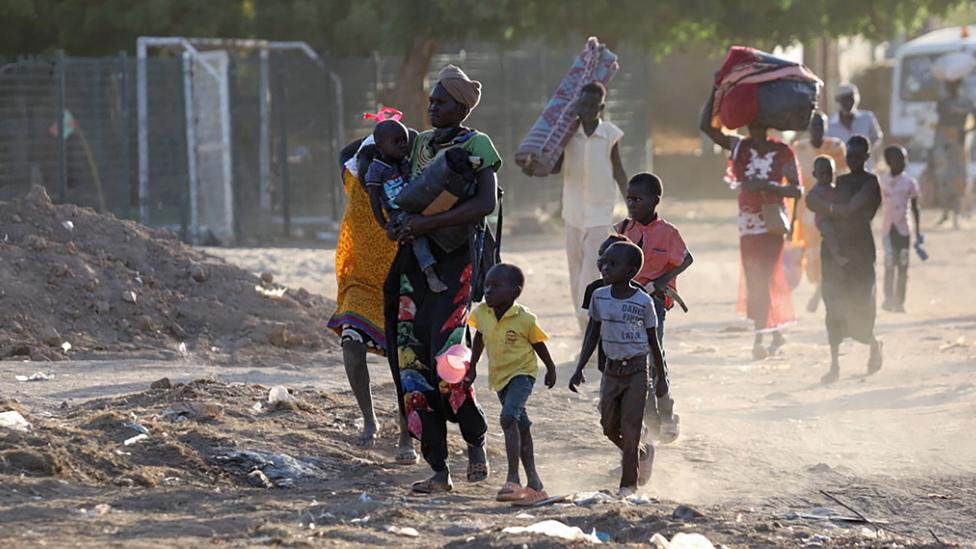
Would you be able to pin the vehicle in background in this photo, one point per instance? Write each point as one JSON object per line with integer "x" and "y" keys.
{"x": 915, "y": 91}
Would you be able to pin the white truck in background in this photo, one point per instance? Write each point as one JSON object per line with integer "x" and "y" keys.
{"x": 915, "y": 91}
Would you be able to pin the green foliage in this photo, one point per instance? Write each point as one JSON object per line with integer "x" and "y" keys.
{"x": 91, "y": 27}
{"x": 361, "y": 26}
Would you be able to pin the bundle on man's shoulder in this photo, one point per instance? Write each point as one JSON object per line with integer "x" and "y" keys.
{"x": 546, "y": 140}
{"x": 754, "y": 87}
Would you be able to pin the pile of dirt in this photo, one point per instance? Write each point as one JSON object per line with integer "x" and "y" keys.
{"x": 204, "y": 433}
{"x": 77, "y": 283}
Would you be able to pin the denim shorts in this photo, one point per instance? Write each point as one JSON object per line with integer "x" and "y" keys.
{"x": 513, "y": 398}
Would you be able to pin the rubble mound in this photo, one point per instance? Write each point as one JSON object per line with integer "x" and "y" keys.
{"x": 75, "y": 283}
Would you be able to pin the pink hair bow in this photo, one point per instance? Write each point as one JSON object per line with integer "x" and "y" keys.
{"x": 385, "y": 113}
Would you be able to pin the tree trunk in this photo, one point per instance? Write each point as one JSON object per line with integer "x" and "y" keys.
{"x": 409, "y": 95}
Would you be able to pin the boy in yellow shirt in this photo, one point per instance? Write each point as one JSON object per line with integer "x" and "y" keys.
{"x": 513, "y": 338}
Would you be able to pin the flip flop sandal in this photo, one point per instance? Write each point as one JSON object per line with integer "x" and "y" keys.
{"x": 530, "y": 497}
{"x": 406, "y": 457}
{"x": 477, "y": 472}
{"x": 510, "y": 492}
{"x": 430, "y": 486}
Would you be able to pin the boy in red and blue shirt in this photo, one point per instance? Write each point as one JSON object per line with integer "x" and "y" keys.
{"x": 665, "y": 257}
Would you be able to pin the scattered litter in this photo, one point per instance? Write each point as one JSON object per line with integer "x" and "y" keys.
{"x": 36, "y": 376}
{"x": 364, "y": 497}
{"x": 135, "y": 439}
{"x": 362, "y": 520}
{"x": 959, "y": 343}
{"x": 825, "y": 514}
{"x": 182, "y": 411}
{"x": 686, "y": 513}
{"x": 681, "y": 540}
{"x": 65, "y": 346}
{"x": 137, "y": 427}
{"x": 13, "y": 420}
{"x": 524, "y": 516}
{"x": 592, "y": 498}
{"x": 259, "y": 479}
{"x": 273, "y": 293}
{"x": 555, "y": 529}
{"x": 281, "y": 469}
{"x": 182, "y": 349}
{"x": 96, "y": 511}
{"x": 129, "y": 296}
{"x": 279, "y": 393}
{"x": 405, "y": 532}
{"x": 68, "y": 225}
{"x": 256, "y": 407}
{"x": 639, "y": 499}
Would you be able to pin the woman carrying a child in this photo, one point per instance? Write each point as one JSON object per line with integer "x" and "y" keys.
{"x": 422, "y": 324}
{"x": 758, "y": 166}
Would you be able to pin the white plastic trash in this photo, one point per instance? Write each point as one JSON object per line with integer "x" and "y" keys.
{"x": 555, "y": 529}
{"x": 681, "y": 540}
{"x": 953, "y": 66}
{"x": 279, "y": 393}
{"x": 135, "y": 439}
{"x": 13, "y": 420}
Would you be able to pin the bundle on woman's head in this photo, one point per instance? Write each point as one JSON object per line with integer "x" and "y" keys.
{"x": 457, "y": 84}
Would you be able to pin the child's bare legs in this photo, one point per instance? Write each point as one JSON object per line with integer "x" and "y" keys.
{"x": 434, "y": 282}
{"x": 513, "y": 448}
{"x": 515, "y": 425}
{"x": 532, "y": 479}
{"x": 424, "y": 255}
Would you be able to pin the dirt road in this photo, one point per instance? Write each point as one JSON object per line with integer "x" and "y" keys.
{"x": 759, "y": 440}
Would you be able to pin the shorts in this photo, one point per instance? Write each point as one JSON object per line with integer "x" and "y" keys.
{"x": 513, "y": 398}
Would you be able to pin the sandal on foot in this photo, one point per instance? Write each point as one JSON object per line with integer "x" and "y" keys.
{"x": 407, "y": 456}
{"x": 510, "y": 491}
{"x": 431, "y": 486}
{"x": 477, "y": 472}
{"x": 530, "y": 497}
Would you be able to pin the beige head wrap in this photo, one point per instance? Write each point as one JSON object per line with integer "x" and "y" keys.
{"x": 459, "y": 86}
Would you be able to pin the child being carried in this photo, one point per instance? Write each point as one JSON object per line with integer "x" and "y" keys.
{"x": 388, "y": 175}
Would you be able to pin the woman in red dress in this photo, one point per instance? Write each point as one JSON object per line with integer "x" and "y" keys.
{"x": 758, "y": 167}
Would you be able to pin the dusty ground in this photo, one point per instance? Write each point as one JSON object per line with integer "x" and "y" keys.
{"x": 761, "y": 441}
{"x": 75, "y": 284}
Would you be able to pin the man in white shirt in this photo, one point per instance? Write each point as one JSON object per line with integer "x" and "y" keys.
{"x": 851, "y": 121}
{"x": 590, "y": 164}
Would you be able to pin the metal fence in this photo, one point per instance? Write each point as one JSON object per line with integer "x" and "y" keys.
{"x": 237, "y": 142}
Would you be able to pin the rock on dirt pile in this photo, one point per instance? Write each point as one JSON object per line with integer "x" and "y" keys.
{"x": 75, "y": 283}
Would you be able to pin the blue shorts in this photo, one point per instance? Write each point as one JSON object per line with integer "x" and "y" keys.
{"x": 513, "y": 398}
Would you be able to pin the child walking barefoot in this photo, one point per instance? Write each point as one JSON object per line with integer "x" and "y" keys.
{"x": 623, "y": 321}
{"x": 513, "y": 338}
